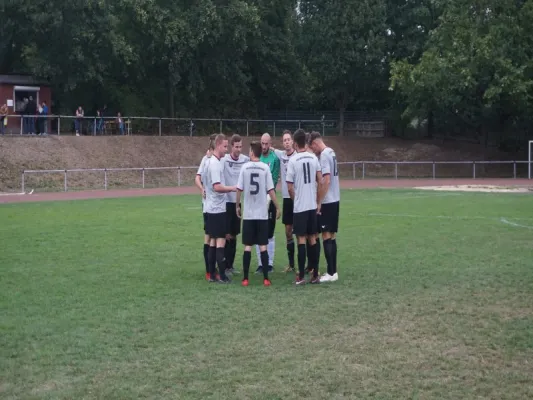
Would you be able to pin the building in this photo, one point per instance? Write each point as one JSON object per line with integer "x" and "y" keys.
{"x": 13, "y": 90}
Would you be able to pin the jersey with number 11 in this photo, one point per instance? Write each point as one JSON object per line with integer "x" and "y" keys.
{"x": 301, "y": 172}
{"x": 255, "y": 181}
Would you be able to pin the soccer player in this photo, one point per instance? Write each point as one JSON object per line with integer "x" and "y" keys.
{"x": 304, "y": 181}
{"x": 328, "y": 219}
{"x": 199, "y": 180}
{"x": 255, "y": 181}
{"x": 269, "y": 157}
{"x": 233, "y": 162}
{"x": 215, "y": 208}
{"x": 288, "y": 204}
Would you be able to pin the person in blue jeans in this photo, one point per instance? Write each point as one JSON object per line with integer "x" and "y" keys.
{"x": 120, "y": 123}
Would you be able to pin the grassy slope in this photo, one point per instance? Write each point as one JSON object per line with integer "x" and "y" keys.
{"x": 19, "y": 153}
{"x": 106, "y": 299}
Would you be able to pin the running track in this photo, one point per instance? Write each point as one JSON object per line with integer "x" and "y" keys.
{"x": 345, "y": 184}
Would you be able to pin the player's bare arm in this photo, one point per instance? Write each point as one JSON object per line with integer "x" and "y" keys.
{"x": 238, "y": 206}
{"x": 326, "y": 180}
{"x": 272, "y": 194}
{"x": 220, "y": 188}
{"x": 290, "y": 186}
{"x": 320, "y": 193}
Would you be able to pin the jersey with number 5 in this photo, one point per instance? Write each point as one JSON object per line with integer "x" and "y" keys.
{"x": 328, "y": 162}
{"x": 255, "y": 181}
{"x": 301, "y": 172}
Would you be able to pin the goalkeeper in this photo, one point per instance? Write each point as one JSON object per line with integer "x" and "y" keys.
{"x": 268, "y": 156}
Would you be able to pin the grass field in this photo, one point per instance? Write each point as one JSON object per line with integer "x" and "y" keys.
{"x": 107, "y": 299}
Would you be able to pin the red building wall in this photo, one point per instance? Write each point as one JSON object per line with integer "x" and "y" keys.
{"x": 6, "y": 93}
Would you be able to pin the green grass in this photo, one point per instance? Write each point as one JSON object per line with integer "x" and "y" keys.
{"x": 107, "y": 299}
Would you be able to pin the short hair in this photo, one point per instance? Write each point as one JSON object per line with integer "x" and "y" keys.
{"x": 314, "y": 136}
{"x": 235, "y": 139}
{"x": 220, "y": 138}
{"x": 212, "y": 141}
{"x": 256, "y": 148}
{"x": 286, "y": 131}
{"x": 300, "y": 138}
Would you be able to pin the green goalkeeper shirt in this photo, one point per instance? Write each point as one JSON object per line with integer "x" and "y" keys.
{"x": 273, "y": 162}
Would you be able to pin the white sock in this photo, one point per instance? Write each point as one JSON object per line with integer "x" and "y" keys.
{"x": 258, "y": 252}
{"x": 271, "y": 248}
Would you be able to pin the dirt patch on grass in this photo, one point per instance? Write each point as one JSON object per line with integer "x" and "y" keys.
{"x": 479, "y": 188}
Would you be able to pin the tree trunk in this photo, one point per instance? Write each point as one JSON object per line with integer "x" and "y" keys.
{"x": 171, "y": 109}
{"x": 341, "y": 120}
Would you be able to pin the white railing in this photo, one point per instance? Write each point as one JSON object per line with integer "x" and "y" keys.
{"x": 359, "y": 170}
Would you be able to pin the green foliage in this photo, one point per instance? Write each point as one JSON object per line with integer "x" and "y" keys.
{"x": 455, "y": 63}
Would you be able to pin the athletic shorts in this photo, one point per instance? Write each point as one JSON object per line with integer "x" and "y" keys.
{"x": 271, "y": 220}
{"x": 255, "y": 231}
{"x": 216, "y": 225}
{"x": 305, "y": 223}
{"x": 205, "y": 223}
{"x": 288, "y": 207}
{"x": 328, "y": 219}
{"x": 233, "y": 222}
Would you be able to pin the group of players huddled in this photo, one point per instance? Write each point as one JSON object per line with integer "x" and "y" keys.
{"x": 311, "y": 196}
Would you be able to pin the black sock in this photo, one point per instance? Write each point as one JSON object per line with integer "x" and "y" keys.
{"x": 233, "y": 252}
{"x": 290, "y": 252}
{"x": 312, "y": 261}
{"x": 301, "y": 260}
{"x": 317, "y": 260}
{"x": 264, "y": 261}
{"x": 206, "y": 257}
{"x": 246, "y": 260}
{"x": 308, "y": 249}
{"x": 212, "y": 260}
{"x": 227, "y": 253}
{"x": 328, "y": 248}
{"x": 334, "y": 255}
{"x": 221, "y": 262}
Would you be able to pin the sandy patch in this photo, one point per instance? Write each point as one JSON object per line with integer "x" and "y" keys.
{"x": 479, "y": 188}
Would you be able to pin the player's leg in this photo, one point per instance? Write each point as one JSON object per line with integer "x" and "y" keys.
{"x": 248, "y": 236}
{"x": 287, "y": 220}
{"x": 335, "y": 228}
{"x": 271, "y": 247}
{"x": 312, "y": 232}
{"x": 206, "y": 248}
{"x": 262, "y": 231}
{"x": 325, "y": 224}
{"x": 299, "y": 230}
{"x": 233, "y": 226}
{"x": 219, "y": 232}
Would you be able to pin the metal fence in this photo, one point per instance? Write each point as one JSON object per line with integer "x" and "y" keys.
{"x": 149, "y": 177}
{"x": 156, "y": 126}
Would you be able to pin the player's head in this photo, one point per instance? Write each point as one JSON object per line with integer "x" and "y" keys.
{"x": 236, "y": 145}
{"x": 255, "y": 150}
{"x": 221, "y": 145}
{"x": 266, "y": 142}
{"x": 299, "y": 139}
{"x": 315, "y": 142}
{"x": 288, "y": 143}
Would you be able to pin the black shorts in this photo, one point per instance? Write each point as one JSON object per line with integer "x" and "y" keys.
{"x": 233, "y": 222}
{"x": 271, "y": 220}
{"x": 288, "y": 213}
{"x": 328, "y": 220}
{"x": 216, "y": 225}
{"x": 255, "y": 231}
{"x": 205, "y": 223}
{"x": 305, "y": 223}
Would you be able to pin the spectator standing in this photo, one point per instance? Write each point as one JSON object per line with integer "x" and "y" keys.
{"x": 3, "y": 118}
{"x": 78, "y": 122}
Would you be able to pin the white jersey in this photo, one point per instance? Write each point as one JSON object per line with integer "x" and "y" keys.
{"x": 255, "y": 181}
{"x": 215, "y": 202}
{"x": 328, "y": 162}
{"x": 232, "y": 168}
{"x": 283, "y": 164}
{"x": 202, "y": 169}
{"x": 301, "y": 171}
